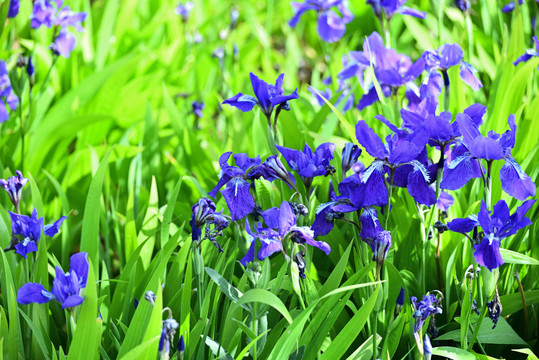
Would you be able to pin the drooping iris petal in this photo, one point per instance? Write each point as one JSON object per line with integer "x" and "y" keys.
{"x": 238, "y": 198}
{"x": 403, "y": 152}
{"x": 330, "y": 26}
{"x": 458, "y": 173}
{"x": 286, "y": 218}
{"x": 463, "y": 226}
{"x": 25, "y": 247}
{"x": 515, "y": 181}
{"x": 370, "y": 225}
{"x": 370, "y": 141}
{"x": 444, "y": 201}
{"x": 79, "y": 263}
{"x": 72, "y": 301}
{"x": 33, "y": 293}
{"x": 486, "y": 148}
{"x": 64, "y": 43}
{"x": 243, "y": 102}
{"x": 375, "y": 188}
{"x": 318, "y": 244}
{"x": 405, "y": 10}
{"x": 487, "y": 253}
{"x": 467, "y": 75}
{"x": 418, "y": 185}
{"x": 268, "y": 248}
{"x": 250, "y": 255}
{"x": 52, "y": 229}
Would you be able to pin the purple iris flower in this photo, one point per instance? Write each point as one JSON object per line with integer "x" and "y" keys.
{"x": 64, "y": 43}
{"x": 437, "y": 62}
{"x": 48, "y": 13}
{"x": 26, "y": 232}
{"x": 425, "y": 308}
{"x": 345, "y": 96}
{"x": 196, "y": 108}
{"x": 496, "y": 226}
{"x": 391, "y": 7}
{"x": 203, "y": 213}
{"x": 167, "y": 337}
{"x": 309, "y": 164}
{"x": 463, "y": 5}
{"x": 380, "y": 246}
{"x": 42, "y": 14}
{"x": 268, "y": 97}
{"x": 66, "y": 288}
{"x": 510, "y": 6}
{"x": 331, "y": 26}
{"x": 184, "y": 10}
{"x": 391, "y": 69}
{"x": 281, "y": 224}
{"x": 65, "y": 17}
{"x": 7, "y": 96}
{"x": 530, "y": 53}
{"x": 514, "y": 180}
{"x": 13, "y": 8}
{"x": 236, "y": 178}
{"x": 444, "y": 201}
{"x": 13, "y": 186}
{"x": 402, "y": 149}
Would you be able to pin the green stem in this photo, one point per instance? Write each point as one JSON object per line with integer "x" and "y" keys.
{"x": 389, "y": 193}
{"x": 254, "y": 327}
{"x": 469, "y": 30}
{"x": 47, "y": 77}
{"x": 374, "y": 331}
{"x": 488, "y": 187}
{"x": 22, "y": 135}
{"x": 447, "y": 92}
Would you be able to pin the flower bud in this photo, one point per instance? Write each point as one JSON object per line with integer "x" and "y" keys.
{"x": 350, "y": 154}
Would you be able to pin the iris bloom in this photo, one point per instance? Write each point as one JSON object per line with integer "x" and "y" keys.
{"x": 391, "y": 69}
{"x": 510, "y": 6}
{"x": 236, "y": 178}
{"x": 13, "y": 186}
{"x": 26, "y": 232}
{"x": 309, "y": 164}
{"x": 350, "y": 154}
{"x": 196, "y": 108}
{"x": 66, "y": 288}
{"x": 203, "y": 213}
{"x": 281, "y": 225}
{"x": 496, "y": 226}
{"x": 391, "y": 7}
{"x": 438, "y": 61}
{"x": 184, "y": 10}
{"x": 167, "y": 337}
{"x": 7, "y": 96}
{"x": 530, "y": 53}
{"x": 400, "y": 149}
{"x": 331, "y": 26}
{"x": 514, "y": 180}
{"x": 268, "y": 97}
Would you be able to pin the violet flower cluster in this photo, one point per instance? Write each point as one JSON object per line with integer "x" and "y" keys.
{"x": 7, "y": 96}
{"x": 52, "y": 14}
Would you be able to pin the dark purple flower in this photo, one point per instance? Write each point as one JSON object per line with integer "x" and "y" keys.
{"x": 391, "y": 7}
{"x": 380, "y": 246}
{"x": 281, "y": 224}
{"x": 514, "y": 180}
{"x": 7, "y": 96}
{"x": 237, "y": 195}
{"x": 438, "y": 61}
{"x": 64, "y": 43}
{"x": 272, "y": 168}
{"x": 181, "y": 346}
{"x": 463, "y": 5}
{"x": 204, "y": 214}
{"x": 184, "y": 10}
{"x": 370, "y": 226}
{"x": 530, "y": 53}
{"x": 404, "y": 154}
{"x": 510, "y": 6}
{"x": 66, "y": 288}
{"x": 331, "y": 26}
{"x": 13, "y": 186}
{"x": 391, "y": 69}
{"x": 400, "y": 302}
{"x": 350, "y": 154}
{"x": 268, "y": 97}
{"x": 196, "y": 108}
{"x": 26, "y": 232}
{"x": 30, "y": 67}
{"x": 309, "y": 164}
{"x": 167, "y": 337}
{"x": 494, "y": 309}
{"x": 13, "y": 8}
{"x": 427, "y": 348}
{"x": 425, "y": 308}
{"x": 496, "y": 226}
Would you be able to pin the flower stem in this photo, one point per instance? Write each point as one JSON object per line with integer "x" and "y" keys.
{"x": 47, "y": 77}
{"x": 447, "y": 92}
{"x": 488, "y": 186}
{"x": 22, "y": 136}
{"x": 389, "y": 193}
{"x": 374, "y": 331}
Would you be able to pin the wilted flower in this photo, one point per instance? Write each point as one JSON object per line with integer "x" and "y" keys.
{"x": 66, "y": 288}
{"x": 268, "y": 97}
{"x": 150, "y": 297}
{"x": 380, "y": 246}
{"x": 496, "y": 226}
{"x": 494, "y": 309}
{"x": 7, "y": 96}
{"x": 26, "y": 232}
{"x": 167, "y": 337}
{"x": 281, "y": 224}
{"x": 204, "y": 214}
{"x": 299, "y": 259}
{"x": 196, "y": 108}
{"x": 331, "y": 27}
{"x": 273, "y": 169}
{"x": 13, "y": 186}
{"x": 463, "y": 5}
{"x": 425, "y": 308}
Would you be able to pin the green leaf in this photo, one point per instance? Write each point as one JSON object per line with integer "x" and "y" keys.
{"x": 453, "y": 353}
{"x": 512, "y": 257}
{"x": 90, "y": 223}
{"x": 85, "y": 344}
{"x": 502, "y": 334}
{"x": 265, "y": 297}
